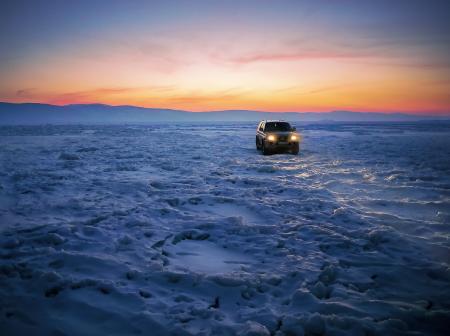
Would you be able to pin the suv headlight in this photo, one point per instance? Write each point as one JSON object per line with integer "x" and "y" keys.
{"x": 294, "y": 137}
{"x": 271, "y": 137}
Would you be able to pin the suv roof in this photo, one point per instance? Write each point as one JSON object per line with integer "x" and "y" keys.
{"x": 275, "y": 120}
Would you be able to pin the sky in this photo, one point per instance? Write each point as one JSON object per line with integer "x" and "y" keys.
{"x": 380, "y": 56}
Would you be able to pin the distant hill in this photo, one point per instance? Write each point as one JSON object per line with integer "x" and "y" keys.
{"x": 33, "y": 114}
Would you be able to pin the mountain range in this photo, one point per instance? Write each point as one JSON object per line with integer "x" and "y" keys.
{"x": 35, "y": 114}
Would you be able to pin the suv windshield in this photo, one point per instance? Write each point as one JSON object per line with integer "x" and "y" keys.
{"x": 277, "y": 126}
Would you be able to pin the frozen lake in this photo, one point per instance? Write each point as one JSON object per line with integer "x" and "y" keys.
{"x": 187, "y": 229}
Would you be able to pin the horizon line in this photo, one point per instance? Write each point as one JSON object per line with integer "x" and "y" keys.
{"x": 414, "y": 113}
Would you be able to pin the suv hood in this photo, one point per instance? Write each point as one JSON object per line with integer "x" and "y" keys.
{"x": 281, "y": 133}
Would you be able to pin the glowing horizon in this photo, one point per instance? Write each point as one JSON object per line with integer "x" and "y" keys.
{"x": 251, "y": 55}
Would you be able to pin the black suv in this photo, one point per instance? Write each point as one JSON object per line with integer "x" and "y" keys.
{"x": 277, "y": 135}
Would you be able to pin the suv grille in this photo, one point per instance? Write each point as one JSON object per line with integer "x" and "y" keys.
{"x": 283, "y": 138}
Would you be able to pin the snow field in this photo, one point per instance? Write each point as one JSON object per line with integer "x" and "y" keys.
{"x": 188, "y": 230}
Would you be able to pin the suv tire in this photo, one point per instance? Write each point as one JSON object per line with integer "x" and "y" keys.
{"x": 265, "y": 151}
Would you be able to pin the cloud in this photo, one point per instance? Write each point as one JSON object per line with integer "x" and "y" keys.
{"x": 87, "y": 95}
{"x": 400, "y": 62}
{"x": 292, "y": 57}
{"x": 106, "y": 94}
{"x": 25, "y": 93}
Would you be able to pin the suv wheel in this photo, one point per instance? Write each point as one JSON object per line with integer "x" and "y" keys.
{"x": 257, "y": 144}
{"x": 295, "y": 149}
{"x": 265, "y": 150}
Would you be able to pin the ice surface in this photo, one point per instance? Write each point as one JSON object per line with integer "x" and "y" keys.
{"x": 205, "y": 257}
{"x": 170, "y": 229}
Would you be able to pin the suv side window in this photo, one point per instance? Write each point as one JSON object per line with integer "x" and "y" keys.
{"x": 261, "y": 126}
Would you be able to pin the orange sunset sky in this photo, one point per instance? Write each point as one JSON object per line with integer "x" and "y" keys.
{"x": 386, "y": 56}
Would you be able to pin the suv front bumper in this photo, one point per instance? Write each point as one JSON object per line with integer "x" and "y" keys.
{"x": 273, "y": 145}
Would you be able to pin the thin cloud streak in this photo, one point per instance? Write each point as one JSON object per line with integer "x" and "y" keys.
{"x": 26, "y": 93}
{"x": 97, "y": 95}
{"x": 292, "y": 57}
